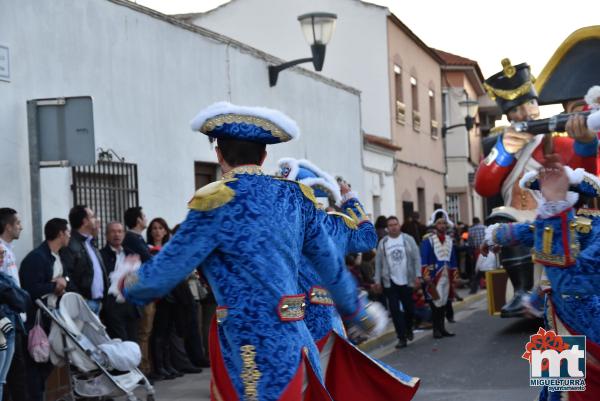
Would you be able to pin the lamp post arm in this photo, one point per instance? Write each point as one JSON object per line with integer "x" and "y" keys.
{"x": 274, "y": 70}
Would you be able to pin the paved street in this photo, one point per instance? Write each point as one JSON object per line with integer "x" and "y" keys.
{"x": 483, "y": 362}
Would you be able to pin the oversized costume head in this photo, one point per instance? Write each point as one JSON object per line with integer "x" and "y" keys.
{"x": 573, "y": 68}
{"x": 305, "y": 172}
{"x": 224, "y": 120}
{"x": 511, "y": 87}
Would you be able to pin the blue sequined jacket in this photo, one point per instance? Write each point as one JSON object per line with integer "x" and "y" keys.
{"x": 249, "y": 232}
{"x": 349, "y": 236}
{"x": 569, "y": 247}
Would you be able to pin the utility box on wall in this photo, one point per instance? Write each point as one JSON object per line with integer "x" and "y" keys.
{"x": 65, "y": 130}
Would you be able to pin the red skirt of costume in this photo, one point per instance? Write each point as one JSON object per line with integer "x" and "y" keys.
{"x": 352, "y": 375}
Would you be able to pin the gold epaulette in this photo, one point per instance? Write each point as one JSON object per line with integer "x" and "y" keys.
{"x": 306, "y": 190}
{"x": 582, "y": 225}
{"x": 212, "y": 196}
{"x": 427, "y": 235}
{"x": 588, "y": 212}
{"x": 349, "y": 221}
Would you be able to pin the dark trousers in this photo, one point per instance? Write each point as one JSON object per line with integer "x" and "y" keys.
{"x": 16, "y": 381}
{"x": 121, "y": 320}
{"x": 476, "y": 281}
{"x": 438, "y": 315}
{"x": 191, "y": 335}
{"x": 449, "y": 310}
{"x": 37, "y": 375}
{"x": 208, "y": 308}
{"x": 402, "y": 319}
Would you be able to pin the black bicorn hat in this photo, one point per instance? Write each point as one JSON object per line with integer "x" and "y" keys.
{"x": 512, "y": 86}
{"x": 573, "y": 68}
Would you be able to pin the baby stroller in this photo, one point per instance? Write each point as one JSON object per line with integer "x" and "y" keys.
{"x": 98, "y": 366}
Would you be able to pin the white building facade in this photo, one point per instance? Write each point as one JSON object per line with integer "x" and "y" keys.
{"x": 148, "y": 75}
{"x": 357, "y": 55}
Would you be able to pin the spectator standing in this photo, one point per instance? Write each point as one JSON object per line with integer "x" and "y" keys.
{"x": 413, "y": 227}
{"x": 121, "y": 319}
{"x": 10, "y": 230}
{"x": 81, "y": 259}
{"x": 135, "y": 220}
{"x": 381, "y": 227}
{"x": 476, "y": 238}
{"x": 397, "y": 268}
{"x": 13, "y": 301}
{"x": 42, "y": 276}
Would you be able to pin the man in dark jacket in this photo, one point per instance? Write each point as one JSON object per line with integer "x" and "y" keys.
{"x": 42, "y": 276}
{"x": 82, "y": 261}
{"x": 136, "y": 223}
{"x": 121, "y": 319}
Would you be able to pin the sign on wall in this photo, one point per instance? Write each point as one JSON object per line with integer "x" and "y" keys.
{"x": 4, "y": 63}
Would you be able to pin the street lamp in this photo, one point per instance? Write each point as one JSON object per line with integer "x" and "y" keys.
{"x": 318, "y": 29}
{"x": 468, "y": 108}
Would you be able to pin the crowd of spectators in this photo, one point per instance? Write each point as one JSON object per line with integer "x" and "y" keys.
{"x": 172, "y": 331}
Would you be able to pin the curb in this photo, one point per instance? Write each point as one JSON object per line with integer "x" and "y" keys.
{"x": 389, "y": 336}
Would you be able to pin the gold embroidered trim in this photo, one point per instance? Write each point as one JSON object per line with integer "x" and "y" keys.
{"x": 250, "y": 374}
{"x": 556, "y": 260}
{"x": 352, "y": 214}
{"x": 249, "y": 169}
{"x": 507, "y": 94}
{"x": 212, "y": 196}
{"x": 583, "y": 225}
{"x": 588, "y": 212}
{"x": 267, "y": 125}
{"x": 547, "y": 240}
{"x": 291, "y": 307}
{"x": 350, "y": 223}
{"x": 592, "y": 183}
{"x": 320, "y": 296}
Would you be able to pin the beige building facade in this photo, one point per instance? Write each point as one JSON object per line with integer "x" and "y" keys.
{"x": 416, "y": 114}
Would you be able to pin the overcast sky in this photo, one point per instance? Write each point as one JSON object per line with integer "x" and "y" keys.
{"x": 483, "y": 30}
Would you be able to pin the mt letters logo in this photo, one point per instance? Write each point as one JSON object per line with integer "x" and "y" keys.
{"x": 555, "y": 361}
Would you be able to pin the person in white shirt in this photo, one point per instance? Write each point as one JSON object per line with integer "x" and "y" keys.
{"x": 10, "y": 230}
{"x": 397, "y": 270}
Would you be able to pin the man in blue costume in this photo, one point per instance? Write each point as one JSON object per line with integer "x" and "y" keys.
{"x": 438, "y": 260}
{"x": 568, "y": 246}
{"x": 248, "y": 231}
{"x": 349, "y": 373}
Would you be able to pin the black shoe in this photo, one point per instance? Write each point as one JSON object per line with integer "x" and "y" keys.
{"x": 451, "y": 320}
{"x": 174, "y": 371}
{"x": 401, "y": 344}
{"x": 514, "y": 307}
{"x": 191, "y": 369}
{"x": 446, "y": 333}
{"x": 437, "y": 334}
{"x": 155, "y": 377}
{"x": 165, "y": 374}
{"x": 410, "y": 335}
{"x": 458, "y": 298}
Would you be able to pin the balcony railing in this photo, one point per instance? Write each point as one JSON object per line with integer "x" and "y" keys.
{"x": 416, "y": 117}
{"x": 434, "y": 129}
{"x": 400, "y": 112}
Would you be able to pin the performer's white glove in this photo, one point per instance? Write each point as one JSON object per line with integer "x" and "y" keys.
{"x": 121, "y": 274}
{"x": 370, "y": 320}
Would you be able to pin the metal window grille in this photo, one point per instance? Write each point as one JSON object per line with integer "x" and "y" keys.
{"x": 108, "y": 188}
{"x": 454, "y": 206}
